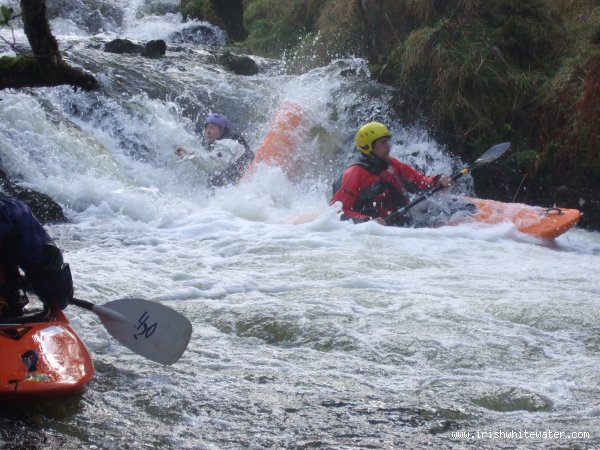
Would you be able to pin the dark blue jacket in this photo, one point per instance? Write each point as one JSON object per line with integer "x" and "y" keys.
{"x": 25, "y": 244}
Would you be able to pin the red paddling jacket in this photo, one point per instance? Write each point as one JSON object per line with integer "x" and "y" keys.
{"x": 374, "y": 188}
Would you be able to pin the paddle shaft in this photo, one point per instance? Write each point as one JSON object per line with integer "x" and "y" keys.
{"x": 490, "y": 155}
{"x": 82, "y": 304}
{"x": 425, "y": 196}
{"x": 99, "y": 310}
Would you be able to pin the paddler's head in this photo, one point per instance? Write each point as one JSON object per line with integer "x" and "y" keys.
{"x": 216, "y": 126}
{"x": 374, "y": 139}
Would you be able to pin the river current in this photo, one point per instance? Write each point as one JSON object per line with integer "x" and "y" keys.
{"x": 308, "y": 332}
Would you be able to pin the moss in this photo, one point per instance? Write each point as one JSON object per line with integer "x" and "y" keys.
{"x": 526, "y": 157}
{"x": 17, "y": 64}
{"x": 19, "y": 70}
{"x": 197, "y": 9}
{"x": 308, "y": 32}
{"x": 339, "y": 33}
{"x": 530, "y": 34}
{"x": 569, "y": 118}
{"x": 273, "y": 37}
{"x": 462, "y": 84}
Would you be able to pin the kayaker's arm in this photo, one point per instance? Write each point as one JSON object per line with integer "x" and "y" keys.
{"x": 36, "y": 254}
{"x": 348, "y": 194}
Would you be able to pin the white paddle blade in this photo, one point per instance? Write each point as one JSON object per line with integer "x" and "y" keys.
{"x": 492, "y": 154}
{"x": 149, "y": 329}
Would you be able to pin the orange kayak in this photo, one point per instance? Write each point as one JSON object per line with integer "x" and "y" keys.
{"x": 42, "y": 357}
{"x": 545, "y": 223}
{"x": 280, "y": 146}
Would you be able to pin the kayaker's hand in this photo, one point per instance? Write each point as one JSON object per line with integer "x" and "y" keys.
{"x": 380, "y": 220}
{"x": 445, "y": 181}
{"x": 179, "y": 151}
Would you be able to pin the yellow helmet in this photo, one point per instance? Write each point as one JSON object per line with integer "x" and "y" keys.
{"x": 369, "y": 133}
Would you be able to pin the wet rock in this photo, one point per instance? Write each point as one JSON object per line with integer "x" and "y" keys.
{"x": 240, "y": 65}
{"x": 42, "y": 206}
{"x": 155, "y": 49}
{"x": 198, "y": 34}
{"x": 507, "y": 399}
{"x": 123, "y": 46}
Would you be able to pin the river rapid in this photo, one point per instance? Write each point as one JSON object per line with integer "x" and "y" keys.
{"x": 308, "y": 332}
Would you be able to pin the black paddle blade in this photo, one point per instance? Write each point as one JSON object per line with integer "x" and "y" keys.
{"x": 492, "y": 154}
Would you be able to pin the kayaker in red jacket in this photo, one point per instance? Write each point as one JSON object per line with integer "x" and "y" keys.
{"x": 25, "y": 245}
{"x": 378, "y": 185}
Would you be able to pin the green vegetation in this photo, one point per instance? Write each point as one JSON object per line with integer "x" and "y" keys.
{"x": 275, "y": 26}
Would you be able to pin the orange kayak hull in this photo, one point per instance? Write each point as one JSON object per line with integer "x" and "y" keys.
{"x": 545, "y": 223}
{"x": 280, "y": 146}
{"x": 44, "y": 359}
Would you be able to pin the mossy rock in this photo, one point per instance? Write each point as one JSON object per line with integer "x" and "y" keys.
{"x": 226, "y": 14}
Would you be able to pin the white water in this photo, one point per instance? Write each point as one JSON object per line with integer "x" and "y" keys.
{"x": 308, "y": 331}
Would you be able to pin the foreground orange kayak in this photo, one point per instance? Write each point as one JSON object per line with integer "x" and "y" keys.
{"x": 545, "y": 223}
{"x": 42, "y": 357}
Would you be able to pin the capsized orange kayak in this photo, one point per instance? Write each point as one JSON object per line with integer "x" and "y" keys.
{"x": 42, "y": 357}
{"x": 545, "y": 223}
{"x": 280, "y": 145}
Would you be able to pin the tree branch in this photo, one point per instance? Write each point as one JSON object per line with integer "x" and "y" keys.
{"x": 46, "y": 68}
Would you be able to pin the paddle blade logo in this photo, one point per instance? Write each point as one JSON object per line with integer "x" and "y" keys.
{"x": 146, "y": 330}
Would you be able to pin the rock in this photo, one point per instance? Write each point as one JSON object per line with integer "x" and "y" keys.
{"x": 123, "y": 46}
{"x": 155, "y": 49}
{"x": 240, "y": 65}
{"x": 199, "y": 34}
{"x": 42, "y": 206}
